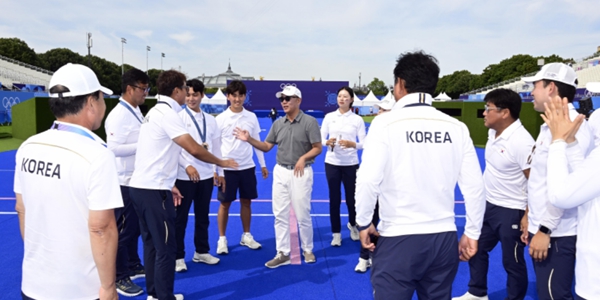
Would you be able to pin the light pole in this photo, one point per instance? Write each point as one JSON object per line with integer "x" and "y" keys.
{"x": 123, "y": 42}
{"x": 147, "y": 50}
{"x": 162, "y": 55}
{"x": 89, "y": 46}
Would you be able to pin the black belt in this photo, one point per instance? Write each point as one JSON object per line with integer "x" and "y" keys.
{"x": 291, "y": 167}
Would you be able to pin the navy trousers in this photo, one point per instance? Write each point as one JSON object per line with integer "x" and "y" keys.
{"x": 336, "y": 175}
{"x": 128, "y": 227}
{"x": 500, "y": 224}
{"x": 156, "y": 211}
{"x": 425, "y": 263}
{"x": 199, "y": 193}
{"x": 554, "y": 275}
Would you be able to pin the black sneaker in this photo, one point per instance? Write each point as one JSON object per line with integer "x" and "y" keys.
{"x": 137, "y": 272}
{"x": 127, "y": 288}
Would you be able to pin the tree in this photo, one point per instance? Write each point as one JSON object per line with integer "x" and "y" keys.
{"x": 53, "y": 59}
{"x": 377, "y": 87}
{"x": 455, "y": 84}
{"x": 18, "y": 50}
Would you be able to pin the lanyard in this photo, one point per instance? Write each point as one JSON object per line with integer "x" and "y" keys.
{"x": 130, "y": 110}
{"x": 73, "y": 129}
{"x": 202, "y": 136}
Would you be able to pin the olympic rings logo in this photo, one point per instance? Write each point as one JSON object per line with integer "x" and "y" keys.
{"x": 283, "y": 85}
{"x": 9, "y": 102}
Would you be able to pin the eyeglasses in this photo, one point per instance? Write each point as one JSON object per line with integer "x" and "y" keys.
{"x": 487, "y": 108}
{"x": 145, "y": 90}
{"x": 184, "y": 88}
{"x": 287, "y": 98}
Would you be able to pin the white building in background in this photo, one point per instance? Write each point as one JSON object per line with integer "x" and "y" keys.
{"x": 220, "y": 81}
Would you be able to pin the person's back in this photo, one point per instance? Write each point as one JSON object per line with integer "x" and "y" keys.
{"x": 412, "y": 159}
{"x": 56, "y": 260}
{"x": 431, "y": 145}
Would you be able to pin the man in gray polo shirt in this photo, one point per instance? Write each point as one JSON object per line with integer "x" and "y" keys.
{"x": 298, "y": 141}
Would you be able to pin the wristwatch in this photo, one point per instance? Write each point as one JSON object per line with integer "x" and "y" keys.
{"x": 545, "y": 230}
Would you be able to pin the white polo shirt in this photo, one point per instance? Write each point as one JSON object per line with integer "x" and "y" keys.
{"x": 213, "y": 139}
{"x": 562, "y": 222}
{"x": 412, "y": 159}
{"x": 505, "y": 159}
{"x": 122, "y": 127}
{"x": 232, "y": 147}
{"x": 579, "y": 190}
{"x": 347, "y": 126}
{"x": 62, "y": 176}
{"x": 157, "y": 157}
{"x": 594, "y": 122}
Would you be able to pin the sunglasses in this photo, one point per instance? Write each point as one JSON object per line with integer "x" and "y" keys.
{"x": 287, "y": 98}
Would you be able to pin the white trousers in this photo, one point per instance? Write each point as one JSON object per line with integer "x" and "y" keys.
{"x": 289, "y": 189}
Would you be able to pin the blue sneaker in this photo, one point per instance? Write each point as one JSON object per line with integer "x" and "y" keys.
{"x": 127, "y": 288}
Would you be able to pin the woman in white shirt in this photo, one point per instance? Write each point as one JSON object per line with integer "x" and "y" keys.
{"x": 343, "y": 132}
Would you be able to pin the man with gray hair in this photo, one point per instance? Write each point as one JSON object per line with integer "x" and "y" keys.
{"x": 66, "y": 187}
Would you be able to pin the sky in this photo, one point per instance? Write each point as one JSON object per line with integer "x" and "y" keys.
{"x": 302, "y": 40}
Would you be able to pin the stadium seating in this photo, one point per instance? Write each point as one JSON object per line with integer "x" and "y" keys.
{"x": 12, "y": 71}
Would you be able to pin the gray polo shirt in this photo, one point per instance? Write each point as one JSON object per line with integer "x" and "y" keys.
{"x": 294, "y": 139}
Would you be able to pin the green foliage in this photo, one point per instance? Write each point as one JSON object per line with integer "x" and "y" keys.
{"x": 210, "y": 90}
{"x": 18, "y": 50}
{"x": 378, "y": 87}
{"x": 455, "y": 84}
{"x": 53, "y": 59}
{"x": 153, "y": 74}
{"x": 518, "y": 65}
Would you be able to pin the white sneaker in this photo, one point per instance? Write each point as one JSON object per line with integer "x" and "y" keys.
{"x": 363, "y": 265}
{"x": 248, "y": 241}
{"x": 354, "y": 235}
{"x": 469, "y": 296}
{"x": 180, "y": 265}
{"x": 205, "y": 258}
{"x": 337, "y": 240}
{"x": 177, "y": 297}
{"x": 222, "y": 247}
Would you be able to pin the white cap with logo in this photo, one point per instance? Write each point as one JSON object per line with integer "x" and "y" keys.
{"x": 593, "y": 87}
{"x": 79, "y": 79}
{"x": 289, "y": 90}
{"x": 555, "y": 72}
{"x": 386, "y": 104}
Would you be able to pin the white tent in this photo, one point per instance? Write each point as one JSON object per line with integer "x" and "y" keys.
{"x": 370, "y": 100}
{"x": 218, "y": 98}
{"x": 389, "y": 96}
{"x": 357, "y": 101}
{"x": 443, "y": 97}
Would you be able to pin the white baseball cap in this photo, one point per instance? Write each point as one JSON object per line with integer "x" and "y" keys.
{"x": 79, "y": 79}
{"x": 555, "y": 72}
{"x": 289, "y": 90}
{"x": 593, "y": 87}
{"x": 386, "y": 103}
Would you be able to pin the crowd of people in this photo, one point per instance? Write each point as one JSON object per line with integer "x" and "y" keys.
{"x": 81, "y": 238}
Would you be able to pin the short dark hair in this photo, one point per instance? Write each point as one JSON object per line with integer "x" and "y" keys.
{"x": 349, "y": 90}
{"x": 420, "y": 72}
{"x": 196, "y": 84}
{"x": 132, "y": 77}
{"x": 505, "y": 98}
{"x": 236, "y": 86}
{"x": 169, "y": 80}
{"x": 64, "y": 106}
{"x": 564, "y": 90}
